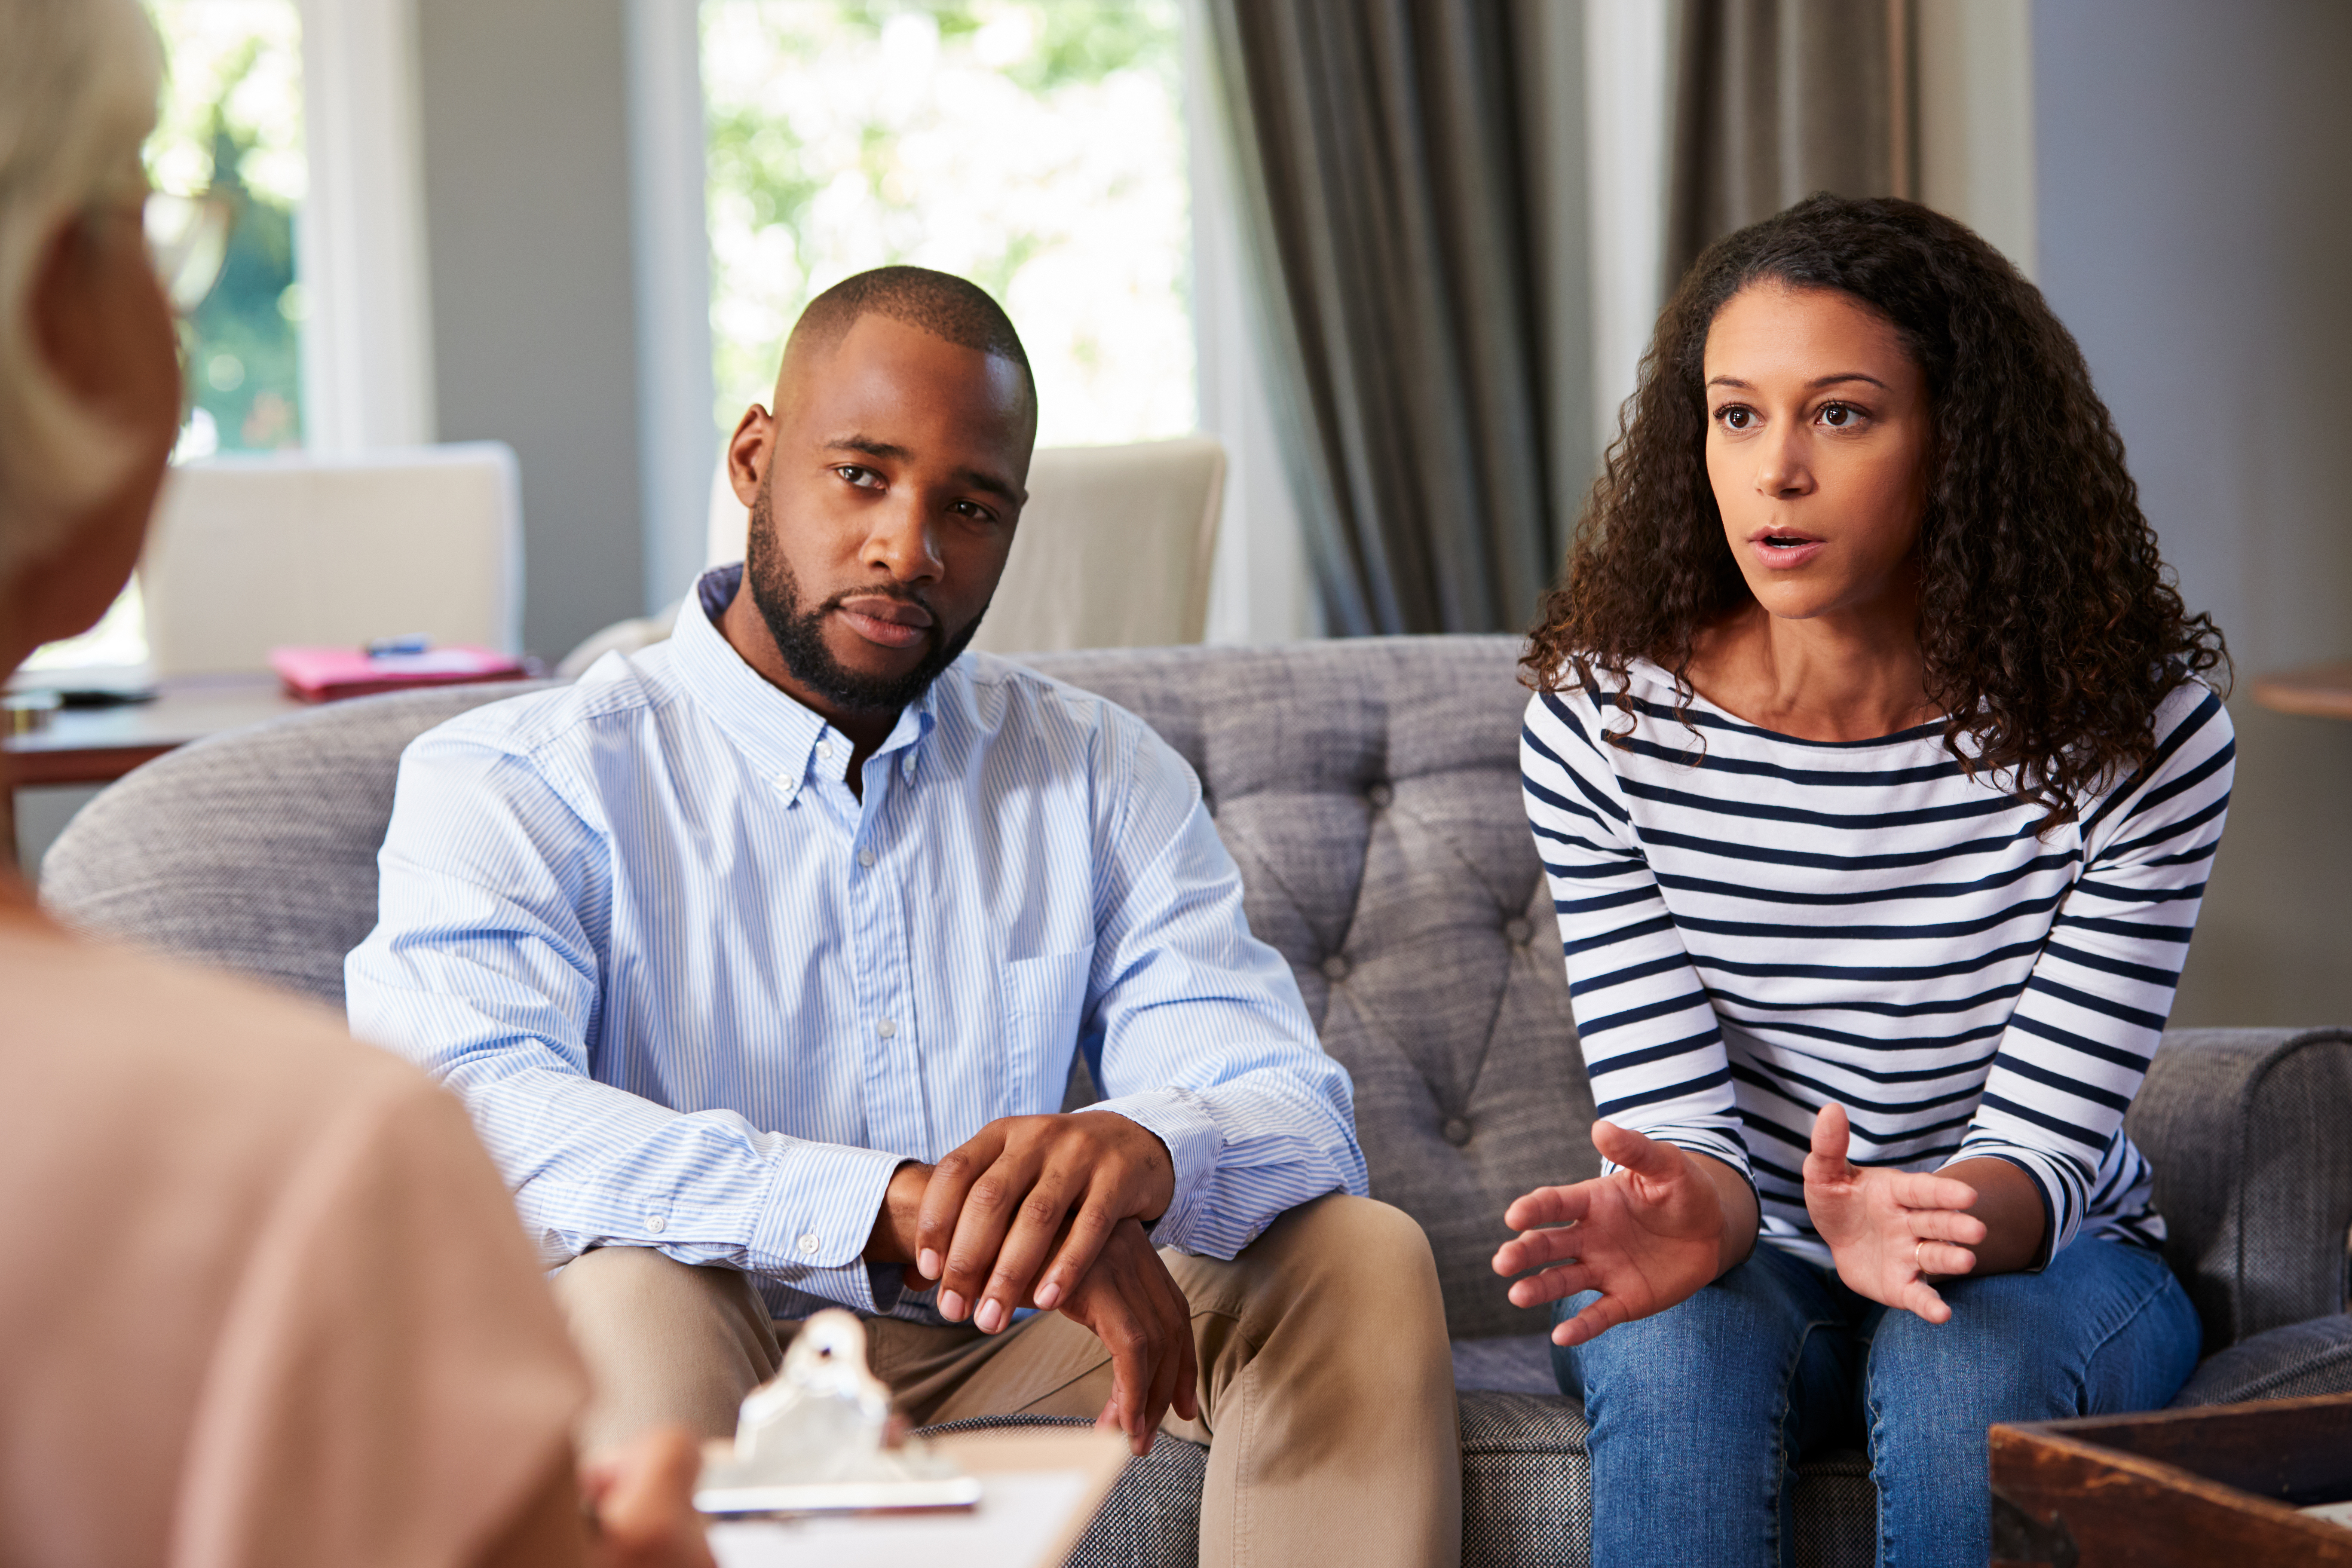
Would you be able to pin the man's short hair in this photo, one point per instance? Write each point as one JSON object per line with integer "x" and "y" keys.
{"x": 940, "y": 303}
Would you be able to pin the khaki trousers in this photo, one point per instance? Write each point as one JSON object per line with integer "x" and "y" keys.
{"x": 1326, "y": 1387}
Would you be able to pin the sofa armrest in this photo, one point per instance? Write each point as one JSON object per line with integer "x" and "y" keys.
{"x": 2251, "y": 1134}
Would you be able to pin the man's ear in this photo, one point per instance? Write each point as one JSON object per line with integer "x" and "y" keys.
{"x": 748, "y": 452}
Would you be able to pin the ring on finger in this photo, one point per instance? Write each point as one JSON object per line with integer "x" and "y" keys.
{"x": 1917, "y": 1262}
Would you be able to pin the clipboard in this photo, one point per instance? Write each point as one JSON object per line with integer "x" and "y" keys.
{"x": 1040, "y": 1489}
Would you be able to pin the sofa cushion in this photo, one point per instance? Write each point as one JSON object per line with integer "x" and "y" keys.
{"x": 2244, "y": 1129}
{"x": 2292, "y": 1362}
{"x": 1511, "y": 1364}
{"x": 1370, "y": 791}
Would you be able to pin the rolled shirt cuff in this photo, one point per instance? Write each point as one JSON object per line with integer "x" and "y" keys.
{"x": 1193, "y": 1142}
{"x": 813, "y": 1229}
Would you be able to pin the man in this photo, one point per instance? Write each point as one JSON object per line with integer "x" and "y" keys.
{"x": 760, "y": 958}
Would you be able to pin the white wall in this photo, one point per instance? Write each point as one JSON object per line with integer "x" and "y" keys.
{"x": 1975, "y": 118}
{"x": 527, "y": 223}
{"x": 2194, "y": 221}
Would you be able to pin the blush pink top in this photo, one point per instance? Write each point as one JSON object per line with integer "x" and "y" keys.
{"x": 263, "y": 1299}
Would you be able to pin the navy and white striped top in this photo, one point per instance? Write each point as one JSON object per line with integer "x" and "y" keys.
{"x": 701, "y": 997}
{"x": 1792, "y": 922}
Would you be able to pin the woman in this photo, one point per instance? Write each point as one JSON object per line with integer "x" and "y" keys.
{"x": 265, "y": 1301}
{"x": 1875, "y": 777}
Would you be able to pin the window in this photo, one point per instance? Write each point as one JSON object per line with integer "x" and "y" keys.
{"x": 229, "y": 139}
{"x": 1037, "y": 149}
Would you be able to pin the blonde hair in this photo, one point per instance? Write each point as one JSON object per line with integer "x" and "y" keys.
{"x": 77, "y": 85}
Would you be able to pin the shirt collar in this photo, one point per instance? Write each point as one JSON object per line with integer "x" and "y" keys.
{"x": 777, "y": 735}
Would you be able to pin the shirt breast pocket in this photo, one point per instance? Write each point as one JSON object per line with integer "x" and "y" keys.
{"x": 1042, "y": 1002}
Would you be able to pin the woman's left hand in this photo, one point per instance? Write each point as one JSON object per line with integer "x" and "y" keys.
{"x": 1888, "y": 1230}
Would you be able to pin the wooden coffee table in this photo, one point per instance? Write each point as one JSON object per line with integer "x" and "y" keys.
{"x": 2221, "y": 1484}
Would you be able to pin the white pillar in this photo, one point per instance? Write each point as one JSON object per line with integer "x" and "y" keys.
{"x": 1976, "y": 120}
{"x": 1628, "y": 98}
{"x": 367, "y": 341}
{"x": 677, "y": 433}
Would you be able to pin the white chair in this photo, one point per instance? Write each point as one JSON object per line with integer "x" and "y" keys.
{"x": 252, "y": 551}
{"x": 1113, "y": 550}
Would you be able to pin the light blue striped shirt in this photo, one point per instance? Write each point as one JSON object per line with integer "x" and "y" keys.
{"x": 701, "y": 997}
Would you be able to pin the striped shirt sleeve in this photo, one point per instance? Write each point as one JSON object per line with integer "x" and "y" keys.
{"x": 1652, "y": 1045}
{"x": 2078, "y": 1043}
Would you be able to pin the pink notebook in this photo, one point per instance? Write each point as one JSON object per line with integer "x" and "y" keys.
{"x": 324, "y": 673}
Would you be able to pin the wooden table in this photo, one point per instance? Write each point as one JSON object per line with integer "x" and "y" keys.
{"x": 2218, "y": 1484}
{"x": 98, "y": 745}
{"x": 2321, "y": 690}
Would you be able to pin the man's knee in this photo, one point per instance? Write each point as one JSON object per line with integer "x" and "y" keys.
{"x": 639, "y": 1281}
{"x": 1341, "y": 1264}
{"x": 664, "y": 1341}
{"x": 1353, "y": 1242}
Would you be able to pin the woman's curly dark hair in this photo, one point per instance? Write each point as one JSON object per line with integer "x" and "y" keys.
{"x": 2051, "y": 627}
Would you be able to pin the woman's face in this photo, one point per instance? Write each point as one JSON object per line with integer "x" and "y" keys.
{"x": 1817, "y": 443}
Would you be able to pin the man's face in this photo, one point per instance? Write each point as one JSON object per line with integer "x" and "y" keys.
{"x": 887, "y": 485}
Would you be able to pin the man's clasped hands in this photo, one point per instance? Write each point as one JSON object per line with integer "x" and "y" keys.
{"x": 1052, "y": 1212}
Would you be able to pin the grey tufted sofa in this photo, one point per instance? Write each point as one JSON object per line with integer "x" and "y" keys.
{"x": 1370, "y": 792}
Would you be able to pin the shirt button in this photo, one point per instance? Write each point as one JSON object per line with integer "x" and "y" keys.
{"x": 1379, "y": 794}
{"x": 823, "y": 750}
{"x": 908, "y": 767}
{"x": 865, "y": 856}
{"x": 1519, "y": 931}
{"x": 809, "y": 1244}
{"x": 656, "y": 1225}
{"x": 886, "y": 1028}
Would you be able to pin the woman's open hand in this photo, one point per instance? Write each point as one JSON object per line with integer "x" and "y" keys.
{"x": 1888, "y": 1230}
{"x": 1645, "y": 1238}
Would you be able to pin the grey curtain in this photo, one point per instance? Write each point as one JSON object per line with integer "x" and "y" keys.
{"x": 1380, "y": 151}
{"x": 1779, "y": 98}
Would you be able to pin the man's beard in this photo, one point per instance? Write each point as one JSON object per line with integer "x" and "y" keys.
{"x": 799, "y": 634}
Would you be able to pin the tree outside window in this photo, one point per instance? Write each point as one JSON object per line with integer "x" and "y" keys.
{"x": 1037, "y": 149}
{"x": 230, "y": 134}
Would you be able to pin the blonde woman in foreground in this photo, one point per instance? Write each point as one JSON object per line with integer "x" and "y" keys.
{"x": 265, "y": 1302}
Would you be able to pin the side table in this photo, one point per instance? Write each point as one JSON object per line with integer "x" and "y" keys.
{"x": 98, "y": 745}
{"x": 2320, "y": 691}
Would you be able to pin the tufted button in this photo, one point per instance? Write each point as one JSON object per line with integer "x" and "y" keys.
{"x": 1457, "y": 1131}
{"x": 1519, "y": 931}
{"x": 1335, "y": 968}
{"x": 1379, "y": 794}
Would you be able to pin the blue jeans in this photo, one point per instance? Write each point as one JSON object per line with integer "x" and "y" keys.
{"x": 1700, "y": 1414}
